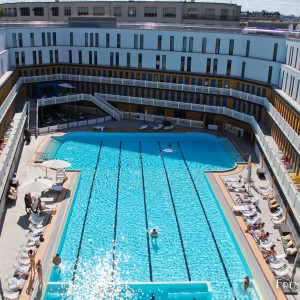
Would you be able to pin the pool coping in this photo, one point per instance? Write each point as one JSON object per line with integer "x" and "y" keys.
{"x": 264, "y": 278}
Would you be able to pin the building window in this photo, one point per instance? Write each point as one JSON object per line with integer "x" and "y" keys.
{"x": 204, "y": 42}
{"x": 270, "y": 74}
{"x": 118, "y": 40}
{"x": 135, "y": 42}
{"x": 226, "y": 84}
{"x": 95, "y": 58}
{"x": 141, "y": 41}
{"x": 131, "y": 12}
{"x": 80, "y": 57}
{"x": 20, "y": 38}
{"x": 159, "y": 39}
{"x": 206, "y": 82}
{"x": 38, "y": 11}
{"x": 97, "y": 40}
{"x": 169, "y": 12}
{"x": 49, "y": 38}
{"x": 55, "y": 11}
{"x": 164, "y": 58}
{"x": 23, "y": 58}
{"x": 215, "y": 66}
{"x": 54, "y": 38}
{"x": 140, "y": 60}
{"x": 86, "y": 39}
{"x": 107, "y": 40}
{"x": 171, "y": 43}
{"x": 184, "y": 44}
{"x": 150, "y": 12}
{"x": 25, "y": 11}
{"x": 117, "y": 11}
{"x": 71, "y": 39}
{"x": 51, "y": 56}
{"x": 91, "y": 40}
{"x": 231, "y": 46}
{"x": 117, "y": 59}
{"x": 34, "y": 61}
{"x": 67, "y": 11}
{"x": 17, "y": 60}
{"x": 192, "y": 13}
{"x": 14, "y": 40}
{"x": 247, "y": 48}
{"x": 228, "y": 68}
{"x": 208, "y": 64}
{"x": 90, "y": 57}
{"x": 217, "y": 48}
{"x": 191, "y": 44}
{"x": 182, "y": 62}
{"x": 98, "y": 11}
{"x": 189, "y": 64}
{"x": 70, "y": 57}
{"x": 40, "y": 57}
{"x": 56, "y": 57}
{"x": 111, "y": 59}
{"x": 32, "y": 39}
{"x": 275, "y": 51}
{"x": 243, "y": 69}
{"x": 128, "y": 60}
{"x": 82, "y": 11}
{"x": 43, "y": 39}
{"x": 157, "y": 61}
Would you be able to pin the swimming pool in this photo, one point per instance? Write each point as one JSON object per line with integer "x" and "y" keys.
{"x": 130, "y": 184}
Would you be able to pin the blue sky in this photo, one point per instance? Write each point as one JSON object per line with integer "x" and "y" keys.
{"x": 285, "y": 7}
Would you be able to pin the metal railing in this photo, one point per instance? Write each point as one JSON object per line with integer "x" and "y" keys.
{"x": 9, "y": 150}
{"x": 290, "y": 134}
{"x": 81, "y": 97}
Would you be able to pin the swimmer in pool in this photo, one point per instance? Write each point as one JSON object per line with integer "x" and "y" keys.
{"x": 154, "y": 234}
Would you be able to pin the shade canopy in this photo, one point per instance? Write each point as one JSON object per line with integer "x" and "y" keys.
{"x": 37, "y": 185}
{"x": 56, "y": 164}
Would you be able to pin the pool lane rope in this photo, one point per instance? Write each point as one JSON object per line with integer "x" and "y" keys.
{"x": 176, "y": 217}
{"x": 207, "y": 220}
{"x": 146, "y": 215}
{"x": 85, "y": 216}
{"x": 116, "y": 217}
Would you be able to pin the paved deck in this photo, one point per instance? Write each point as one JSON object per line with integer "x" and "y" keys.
{"x": 16, "y": 221}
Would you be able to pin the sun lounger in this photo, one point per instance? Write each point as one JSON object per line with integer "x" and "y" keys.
{"x": 234, "y": 185}
{"x": 48, "y": 206}
{"x": 278, "y": 263}
{"x": 56, "y": 188}
{"x": 169, "y": 127}
{"x": 277, "y": 221}
{"x": 100, "y": 127}
{"x": 282, "y": 272}
{"x": 232, "y": 179}
{"x": 249, "y": 213}
{"x": 266, "y": 244}
{"x": 264, "y": 187}
{"x": 144, "y": 127}
{"x": 256, "y": 219}
{"x": 242, "y": 208}
{"x": 159, "y": 126}
{"x": 10, "y": 296}
{"x": 15, "y": 284}
{"x": 21, "y": 269}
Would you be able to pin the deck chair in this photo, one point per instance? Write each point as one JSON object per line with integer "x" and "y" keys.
{"x": 15, "y": 284}
{"x": 282, "y": 272}
{"x": 10, "y": 296}
{"x": 21, "y": 269}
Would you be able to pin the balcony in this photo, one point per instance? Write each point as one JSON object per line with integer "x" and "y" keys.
{"x": 194, "y": 16}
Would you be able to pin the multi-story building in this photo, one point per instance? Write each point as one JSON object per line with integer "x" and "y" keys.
{"x": 126, "y": 11}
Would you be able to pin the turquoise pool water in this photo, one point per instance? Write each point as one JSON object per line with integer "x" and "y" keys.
{"x": 130, "y": 184}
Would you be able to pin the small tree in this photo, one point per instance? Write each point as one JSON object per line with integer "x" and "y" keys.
{"x": 1, "y": 11}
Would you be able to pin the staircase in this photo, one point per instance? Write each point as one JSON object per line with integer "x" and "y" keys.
{"x": 107, "y": 107}
{"x": 231, "y": 151}
{"x": 32, "y": 117}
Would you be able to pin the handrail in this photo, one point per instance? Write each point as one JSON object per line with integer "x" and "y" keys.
{"x": 8, "y": 152}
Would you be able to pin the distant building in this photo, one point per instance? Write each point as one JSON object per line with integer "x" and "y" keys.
{"x": 260, "y": 15}
{"x": 126, "y": 11}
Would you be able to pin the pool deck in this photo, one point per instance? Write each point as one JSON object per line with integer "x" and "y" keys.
{"x": 16, "y": 221}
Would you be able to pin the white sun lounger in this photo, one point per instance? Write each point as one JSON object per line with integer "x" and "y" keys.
{"x": 99, "y": 127}
{"x": 56, "y": 188}
{"x": 249, "y": 213}
{"x": 256, "y": 219}
{"x": 159, "y": 126}
{"x": 21, "y": 269}
{"x": 278, "y": 263}
{"x": 266, "y": 244}
{"x": 277, "y": 213}
{"x": 10, "y": 296}
{"x": 232, "y": 179}
{"x": 282, "y": 272}
{"x": 144, "y": 127}
{"x": 242, "y": 208}
{"x": 277, "y": 221}
{"x": 15, "y": 284}
{"x": 169, "y": 127}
